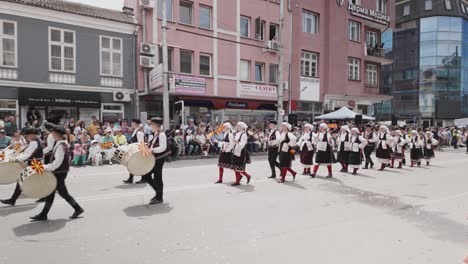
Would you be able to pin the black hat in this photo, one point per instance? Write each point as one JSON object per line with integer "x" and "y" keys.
{"x": 157, "y": 120}
{"x": 48, "y": 126}
{"x": 29, "y": 131}
{"x": 272, "y": 121}
{"x": 54, "y": 120}
{"x": 136, "y": 120}
{"x": 58, "y": 129}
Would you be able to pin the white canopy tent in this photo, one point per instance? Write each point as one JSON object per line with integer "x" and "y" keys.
{"x": 342, "y": 114}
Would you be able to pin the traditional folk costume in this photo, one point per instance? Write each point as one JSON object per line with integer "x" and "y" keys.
{"x": 306, "y": 149}
{"x": 383, "y": 147}
{"x": 287, "y": 143}
{"x": 225, "y": 156}
{"x": 138, "y": 136}
{"x": 398, "y": 149}
{"x": 429, "y": 144}
{"x": 344, "y": 142}
{"x": 59, "y": 165}
{"x": 358, "y": 143}
{"x": 405, "y": 146}
{"x": 324, "y": 155}
{"x": 415, "y": 146}
{"x": 240, "y": 155}
{"x": 371, "y": 139}
{"x": 47, "y": 151}
{"x": 273, "y": 145}
{"x": 107, "y": 144}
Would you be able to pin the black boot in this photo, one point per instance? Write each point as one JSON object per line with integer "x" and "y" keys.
{"x": 42, "y": 200}
{"x": 273, "y": 172}
{"x": 366, "y": 166}
{"x": 78, "y": 211}
{"x": 8, "y": 202}
{"x": 39, "y": 217}
{"x": 156, "y": 201}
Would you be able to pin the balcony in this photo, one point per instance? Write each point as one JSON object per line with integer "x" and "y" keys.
{"x": 379, "y": 55}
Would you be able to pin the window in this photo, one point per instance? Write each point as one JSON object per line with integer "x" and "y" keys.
{"x": 354, "y": 31}
{"x": 408, "y": 74}
{"x": 371, "y": 38}
{"x": 185, "y": 10}
{"x": 355, "y": 2}
{"x": 245, "y": 70}
{"x": 7, "y": 43}
{"x": 112, "y": 112}
{"x": 382, "y": 6}
{"x": 205, "y": 17}
{"x": 259, "y": 29}
{"x": 371, "y": 70}
{"x": 273, "y": 32}
{"x": 169, "y": 9}
{"x": 205, "y": 64}
{"x": 273, "y": 74}
{"x": 170, "y": 53}
{"x": 111, "y": 56}
{"x": 61, "y": 50}
{"x": 259, "y": 72}
{"x": 353, "y": 69}
{"x": 428, "y": 5}
{"x": 406, "y": 10}
{"x": 245, "y": 27}
{"x": 309, "y": 62}
{"x": 186, "y": 58}
{"x": 309, "y": 22}
{"x": 448, "y": 4}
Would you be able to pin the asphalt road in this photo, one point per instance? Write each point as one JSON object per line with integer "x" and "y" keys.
{"x": 409, "y": 215}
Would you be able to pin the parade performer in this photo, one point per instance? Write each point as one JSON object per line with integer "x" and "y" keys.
{"x": 107, "y": 144}
{"x": 383, "y": 147}
{"x": 138, "y": 136}
{"x": 429, "y": 144}
{"x": 344, "y": 147}
{"x": 324, "y": 155}
{"x": 405, "y": 146}
{"x": 358, "y": 143}
{"x": 371, "y": 139}
{"x": 240, "y": 155}
{"x": 225, "y": 156}
{"x": 287, "y": 143}
{"x": 50, "y": 143}
{"x": 306, "y": 148}
{"x": 60, "y": 164}
{"x": 398, "y": 149}
{"x": 32, "y": 151}
{"x": 273, "y": 145}
{"x": 415, "y": 146}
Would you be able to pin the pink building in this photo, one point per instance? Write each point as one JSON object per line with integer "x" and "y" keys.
{"x": 223, "y": 57}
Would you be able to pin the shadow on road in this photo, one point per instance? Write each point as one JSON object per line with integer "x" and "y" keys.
{"x": 363, "y": 175}
{"x": 36, "y": 228}
{"x": 8, "y": 210}
{"x": 294, "y": 185}
{"x": 130, "y": 186}
{"x": 147, "y": 210}
{"x": 245, "y": 188}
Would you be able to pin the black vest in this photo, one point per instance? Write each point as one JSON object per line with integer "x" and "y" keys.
{"x": 226, "y": 138}
{"x": 273, "y": 135}
{"x": 135, "y": 138}
{"x": 285, "y": 141}
{"x": 65, "y": 166}
{"x": 37, "y": 154}
{"x": 371, "y": 136}
{"x": 155, "y": 144}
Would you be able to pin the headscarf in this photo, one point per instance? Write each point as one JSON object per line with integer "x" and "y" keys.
{"x": 287, "y": 125}
{"x": 242, "y": 125}
{"x": 345, "y": 127}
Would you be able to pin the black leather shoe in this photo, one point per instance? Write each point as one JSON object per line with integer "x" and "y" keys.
{"x": 248, "y": 179}
{"x": 8, "y": 202}
{"x": 128, "y": 182}
{"x": 141, "y": 181}
{"x": 272, "y": 177}
{"x": 156, "y": 201}
{"x": 235, "y": 184}
{"x": 312, "y": 175}
{"x": 42, "y": 200}
{"x": 218, "y": 182}
{"x": 77, "y": 213}
{"x": 38, "y": 217}
{"x": 329, "y": 176}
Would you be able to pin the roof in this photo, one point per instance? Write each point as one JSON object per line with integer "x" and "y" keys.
{"x": 342, "y": 114}
{"x": 79, "y": 9}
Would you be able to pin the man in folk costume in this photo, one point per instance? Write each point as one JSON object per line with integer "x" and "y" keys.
{"x": 405, "y": 146}
{"x": 59, "y": 165}
{"x": 429, "y": 144}
{"x": 47, "y": 151}
{"x": 287, "y": 142}
{"x": 240, "y": 154}
{"x": 358, "y": 143}
{"x": 415, "y": 147}
{"x": 273, "y": 145}
{"x": 324, "y": 155}
{"x": 344, "y": 142}
{"x": 383, "y": 147}
{"x": 138, "y": 136}
{"x": 225, "y": 156}
{"x": 32, "y": 151}
{"x": 398, "y": 149}
{"x": 371, "y": 139}
{"x": 306, "y": 148}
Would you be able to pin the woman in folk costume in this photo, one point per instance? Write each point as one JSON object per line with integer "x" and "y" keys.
{"x": 429, "y": 144}
{"x": 107, "y": 144}
{"x": 358, "y": 143}
{"x": 415, "y": 147}
{"x": 240, "y": 155}
{"x": 398, "y": 149}
{"x": 225, "y": 157}
{"x": 384, "y": 144}
{"x": 306, "y": 148}
{"x": 344, "y": 142}
{"x": 287, "y": 143}
{"x": 324, "y": 146}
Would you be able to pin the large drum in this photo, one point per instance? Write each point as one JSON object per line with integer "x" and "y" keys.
{"x": 120, "y": 154}
{"x": 10, "y": 171}
{"x": 137, "y": 161}
{"x": 35, "y": 185}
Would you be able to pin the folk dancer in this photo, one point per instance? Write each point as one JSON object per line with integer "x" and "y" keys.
{"x": 358, "y": 143}
{"x": 240, "y": 155}
{"x": 383, "y": 147}
{"x": 32, "y": 151}
{"x": 306, "y": 148}
{"x": 371, "y": 139}
{"x": 344, "y": 142}
{"x": 225, "y": 156}
{"x": 429, "y": 144}
{"x": 415, "y": 146}
{"x": 47, "y": 151}
{"x": 59, "y": 165}
{"x": 324, "y": 155}
{"x": 107, "y": 144}
{"x": 287, "y": 142}
{"x": 138, "y": 136}
{"x": 273, "y": 145}
{"x": 405, "y": 146}
{"x": 398, "y": 149}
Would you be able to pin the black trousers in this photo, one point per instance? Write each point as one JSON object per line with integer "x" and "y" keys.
{"x": 273, "y": 159}
{"x": 62, "y": 191}
{"x": 154, "y": 178}
{"x": 16, "y": 193}
{"x": 367, "y": 153}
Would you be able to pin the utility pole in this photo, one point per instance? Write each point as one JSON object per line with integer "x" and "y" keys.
{"x": 280, "y": 90}
{"x": 165, "y": 73}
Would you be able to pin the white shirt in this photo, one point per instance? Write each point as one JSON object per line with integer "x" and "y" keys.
{"x": 77, "y": 129}
{"x": 201, "y": 138}
{"x": 292, "y": 140}
{"x": 306, "y": 140}
{"x": 50, "y": 144}
{"x": 59, "y": 155}
{"x": 28, "y": 152}
{"x": 274, "y": 143}
{"x": 97, "y": 137}
{"x": 162, "y": 143}
{"x": 241, "y": 137}
{"x": 140, "y": 135}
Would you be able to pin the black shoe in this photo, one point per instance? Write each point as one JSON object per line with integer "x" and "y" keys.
{"x": 77, "y": 213}
{"x": 42, "y": 200}
{"x": 156, "y": 201}
{"x": 141, "y": 181}
{"x": 218, "y": 182}
{"x": 8, "y": 202}
{"x": 235, "y": 184}
{"x": 312, "y": 175}
{"x": 329, "y": 176}
{"x": 372, "y": 165}
{"x": 248, "y": 179}
{"x": 274, "y": 176}
{"x": 354, "y": 173}
{"x": 128, "y": 181}
{"x": 305, "y": 173}
{"x": 38, "y": 218}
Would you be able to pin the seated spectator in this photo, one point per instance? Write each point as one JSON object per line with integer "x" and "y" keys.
{"x": 128, "y": 134}
{"x": 19, "y": 140}
{"x": 5, "y": 140}
{"x": 10, "y": 126}
{"x": 119, "y": 138}
{"x": 107, "y": 143}
{"x": 179, "y": 139}
{"x": 95, "y": 153}
{"x": 69, "y": 136}
{"x": 203, "y": 143}
{"x": 193, "y": 147}
{"x": 98, "y": 135}
{"x": 79, "y": 155}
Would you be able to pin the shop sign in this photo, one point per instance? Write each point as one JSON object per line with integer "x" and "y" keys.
{"x": 310, "y": 89}
{"x": 369, "y": 14}
{"x": 257, "y": 90}
{"x": 156, "y": 77}
{"x": 184, "y": 84}
{"x": 37, "y": 97}
{"x": 230, "y": 104}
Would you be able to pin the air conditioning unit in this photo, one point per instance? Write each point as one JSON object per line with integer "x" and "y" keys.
{"x": 149, "y": 4}
{"x": 122, "y": 97}
{"x": 274, "y": 45}
{"x": 147, "y": 62}
{"x": 148, "y": 49}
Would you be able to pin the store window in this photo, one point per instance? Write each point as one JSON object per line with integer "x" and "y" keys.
{"x": 8, "y": 54}
{"x": 62, "y": 47}
{"x": 112, "y": 112}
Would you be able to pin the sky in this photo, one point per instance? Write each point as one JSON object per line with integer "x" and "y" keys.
{"x": 111, "y": 4}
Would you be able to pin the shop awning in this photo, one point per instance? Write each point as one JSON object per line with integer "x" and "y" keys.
{"x": 342, "y": 114}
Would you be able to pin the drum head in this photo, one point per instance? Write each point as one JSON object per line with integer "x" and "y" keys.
{"x": 38, "y": 186}
{"x": 9, "y": 172}
{"x": 140, "y": 165}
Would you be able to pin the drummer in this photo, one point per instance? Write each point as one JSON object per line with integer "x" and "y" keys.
{"x": 32, "y": 151}
{"x": 138, "y": 136}
{"x": 60, "y": 164}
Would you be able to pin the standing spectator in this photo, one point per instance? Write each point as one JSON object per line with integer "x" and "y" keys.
{"x": 5, "y": 140}
{"x": 93, "y": 128}
{"x": 10, "y": 126}
{"x": 180, "y": 141}
{"x": 33, "y": 115}
{"x": 71, "y": 124}
{"x": 80, "y": 127}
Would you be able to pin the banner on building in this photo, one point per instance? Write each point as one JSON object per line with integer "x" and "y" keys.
{"x": 257, "y": 90}
{"x": 183, "y": 84}
{"x": 310, "y": 89}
